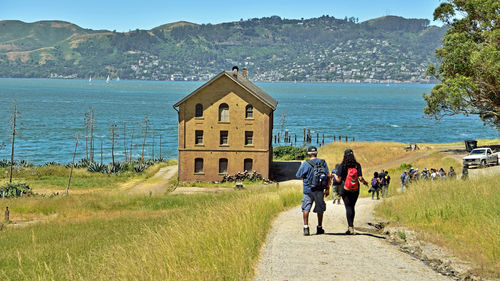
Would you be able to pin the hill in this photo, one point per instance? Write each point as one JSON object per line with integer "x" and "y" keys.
{"x": 386, "y": 49}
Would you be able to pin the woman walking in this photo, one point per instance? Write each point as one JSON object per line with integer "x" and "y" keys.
{"x": 349, "y": 174}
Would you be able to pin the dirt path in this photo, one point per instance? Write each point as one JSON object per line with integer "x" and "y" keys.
{"x": 158, "y": 184}
{"x": 288, "y": 255}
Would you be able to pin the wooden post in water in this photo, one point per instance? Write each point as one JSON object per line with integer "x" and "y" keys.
{"x": 278, "y": 138}
{"x": 295, "y": 135}
{"x": 323, "y": 139}
{"x": 346, "y": 139}
{"x": 352, "y": 139}
{"x": 304, "y": 134}
{"x": 317, "y": 138}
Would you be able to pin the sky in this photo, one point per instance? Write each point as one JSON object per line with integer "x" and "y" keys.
{"x": 128, "y": 15}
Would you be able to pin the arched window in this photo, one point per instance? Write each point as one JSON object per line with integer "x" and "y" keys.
{"x": 248, "y": 164}
{"x": 224, "y": 113}
{"x": 249, "y": 112}
{"x": 198, "y": 110}
{"x": 198, "y": 165}
{"x": 223, "y": 166}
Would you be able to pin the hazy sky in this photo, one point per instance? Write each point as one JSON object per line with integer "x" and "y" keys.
{"x": 127, "y": 15}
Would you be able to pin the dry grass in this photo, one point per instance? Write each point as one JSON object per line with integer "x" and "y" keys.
{"x": 114, "y": 236}
{"x": 463, "y": 216}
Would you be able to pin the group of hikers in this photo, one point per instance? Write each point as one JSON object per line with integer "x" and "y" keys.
{"x": 427, "y": 174}
{"x": 345, "y": 180}
{"x": 317, "y": 179}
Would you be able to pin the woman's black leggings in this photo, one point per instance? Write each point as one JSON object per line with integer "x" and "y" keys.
{"x": 350, "y": 199}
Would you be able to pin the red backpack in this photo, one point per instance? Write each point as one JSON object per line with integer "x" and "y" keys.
{"x": 352, "y": 182}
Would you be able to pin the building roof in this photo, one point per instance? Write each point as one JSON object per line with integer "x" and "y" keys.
{"x": 244, "y": 83}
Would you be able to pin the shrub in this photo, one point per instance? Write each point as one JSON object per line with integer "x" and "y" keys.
{"x": 289, "y": 153}
{"x": 15, "y": 190}
{"x": 405, "y": 166}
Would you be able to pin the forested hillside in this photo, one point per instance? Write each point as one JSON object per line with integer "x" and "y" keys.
{"x": 386, "y": 49}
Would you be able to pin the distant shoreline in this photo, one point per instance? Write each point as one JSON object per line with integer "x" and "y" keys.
{"x": 255, "y": 81}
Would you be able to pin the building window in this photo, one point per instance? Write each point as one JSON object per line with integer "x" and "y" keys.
{"x": 248, "y": 138}
{"x": 198, "y": 166}
{"x": 198, "y": 110}
{"x": 224, "y": 138}
{"x": 223, "y": 166}
{"x": 198, "y": 138}
{"x": 248, "y": 164}
{"x": 224, "y": 113}
{"x": 249, "y": 112}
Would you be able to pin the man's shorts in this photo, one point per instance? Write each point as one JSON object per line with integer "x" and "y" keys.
{"x": 317, "y": 198}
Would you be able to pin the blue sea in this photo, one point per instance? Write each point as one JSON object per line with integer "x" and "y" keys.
{"x": 52, "y": 112}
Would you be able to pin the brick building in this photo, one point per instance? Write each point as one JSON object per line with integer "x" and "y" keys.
{"x": 225, "y": 127}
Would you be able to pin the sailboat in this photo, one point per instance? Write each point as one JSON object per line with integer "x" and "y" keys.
{"x": 117, "y": 78}
{"x": 90, "y": 79}
{"x": 107, "y": 79}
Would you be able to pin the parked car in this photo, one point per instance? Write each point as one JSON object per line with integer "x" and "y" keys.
{"x": 481, "y": 157}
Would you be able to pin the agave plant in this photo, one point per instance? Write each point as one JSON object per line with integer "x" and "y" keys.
{"x": 24, "y": 164}
{"x": 96, "y": 167}
{"x": 139, "y": 168}
{"x": 52, "y": 163}
{"x": 115, "y": 168}
{"x": 15, "y": 190}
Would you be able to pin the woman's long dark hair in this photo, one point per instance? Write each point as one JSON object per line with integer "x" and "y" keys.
{"x": 349, "y": 160}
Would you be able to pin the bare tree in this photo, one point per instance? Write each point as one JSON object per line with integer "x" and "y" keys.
{"x": 89, "y": 128}
{"x": 145, "y": 128}
{"x": 113, "y": 135}
{"x": 161, "y": 158}
{"x": 153, "y": 148}
{"x": 125, "y": 140}
{"x": 14, "y": 128}
{"x": 101, "y": 152}
{"x": 131, "y": 146}
{"x": 72, "y": 165}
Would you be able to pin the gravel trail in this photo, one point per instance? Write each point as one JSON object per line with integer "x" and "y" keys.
{"x": 288, "y": 255}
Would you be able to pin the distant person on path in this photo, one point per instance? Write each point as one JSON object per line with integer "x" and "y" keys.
{"x": 336, "y": 187}
{"x": 375, "y": 185}
{"x": 310, "y": 170}
{"x": 465, "y": 172}
{"x": 451, "y": 173}
{"x": 425, "y": 174}
{"x": 349, "y": 174}
{"x": 403, "y": 180}
{"x": 386, "y": 182}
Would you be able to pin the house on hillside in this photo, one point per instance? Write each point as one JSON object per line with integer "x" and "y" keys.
{"x": 225, "y": 127}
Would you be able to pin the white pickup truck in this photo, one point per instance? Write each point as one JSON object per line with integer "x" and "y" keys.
{"x": 481, "y": 157}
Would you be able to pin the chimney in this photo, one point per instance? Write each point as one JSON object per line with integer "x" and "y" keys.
{"x": 235, "y": 71}
{"x": 244, "y": 72}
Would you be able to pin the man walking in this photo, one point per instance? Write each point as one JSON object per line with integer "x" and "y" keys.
{"x": 387, "y": 181}
{"x": 315, "y": 177}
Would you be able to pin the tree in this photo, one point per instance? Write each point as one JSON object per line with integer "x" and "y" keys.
{"x": 14, "y": 131}
{"x": 470, "y": 62}
{"x": 113, "y": 135}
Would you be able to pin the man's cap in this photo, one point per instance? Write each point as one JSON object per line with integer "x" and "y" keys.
{"x": 348, "y": 152}
{"x": 312, "y": 150}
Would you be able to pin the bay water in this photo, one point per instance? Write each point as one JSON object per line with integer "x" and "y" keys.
{"x": 52, "y": 112}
